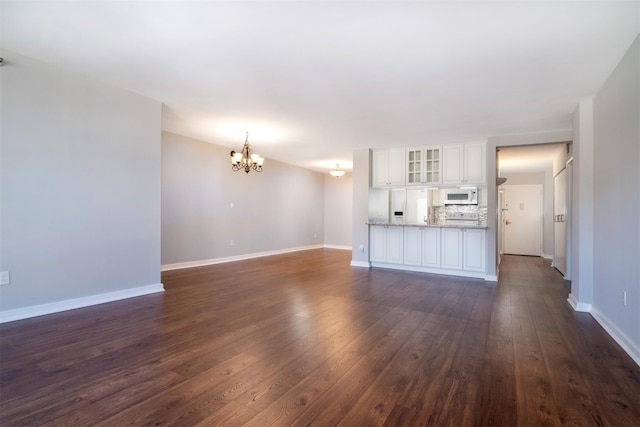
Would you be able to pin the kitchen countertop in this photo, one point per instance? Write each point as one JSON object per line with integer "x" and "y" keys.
{"x": 442, "y": 225}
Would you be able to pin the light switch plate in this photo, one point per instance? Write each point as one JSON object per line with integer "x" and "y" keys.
{"x": 5, "y": 279}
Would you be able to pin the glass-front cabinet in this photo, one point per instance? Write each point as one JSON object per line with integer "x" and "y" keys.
{"x": 423, "y": 165}
{"x": 432, "y": 165}
{"x": 414, "y": 166}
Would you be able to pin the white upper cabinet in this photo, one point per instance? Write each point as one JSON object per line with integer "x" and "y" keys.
{"x": 452, "y": 161}
{"x": 475, "y": 160}
{"x": 423, "y": 165}
{"x": 388, "y": 167}
{"x": 464, "y": 163}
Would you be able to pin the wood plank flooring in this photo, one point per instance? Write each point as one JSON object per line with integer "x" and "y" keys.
{"x": 303, "y": 339}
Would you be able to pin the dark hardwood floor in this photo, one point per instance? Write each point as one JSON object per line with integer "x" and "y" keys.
{"x": 303, "y": 339}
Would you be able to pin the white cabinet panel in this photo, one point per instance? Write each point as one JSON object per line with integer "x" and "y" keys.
{"x": 394, "y": 245}
{"x": 396, "y": 167}
{"x": 380, "y": 168}
{"x": 474, "y": 250}
{"x": 452, "y": 162}
{"x": 463, "y": 249}
{"x": 386, "y": 244}
{"x": 464, "y": 163}
{"x": 388, "y": 168}
{"x": 378, "y": 243}
{"x": 474, "y": 163}
{"x": 451, "y": 253}
{"x": 431, "y": 247}
{"x": 413, "y": 246}
{"x": 422, "y": 246}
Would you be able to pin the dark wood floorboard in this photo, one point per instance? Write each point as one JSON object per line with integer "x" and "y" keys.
{"x": 303, "y": 339}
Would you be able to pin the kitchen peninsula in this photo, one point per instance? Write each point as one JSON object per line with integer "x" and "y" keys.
{"x": 416, "y": 222}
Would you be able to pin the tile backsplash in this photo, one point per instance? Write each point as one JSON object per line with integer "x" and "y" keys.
{"x": 439, "y": 213}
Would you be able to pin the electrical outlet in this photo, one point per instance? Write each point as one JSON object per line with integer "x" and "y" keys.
{"x": 5, "y": 279}
{"x": 361, "y": 248}
{"x": 315, "y": 235}
{"x": 231, "y": 205}
{"x": 231, "y": 243}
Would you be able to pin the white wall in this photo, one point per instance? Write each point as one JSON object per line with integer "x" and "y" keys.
{"x": 361, "y": 181}
{"x": 279, "y": 209}
{"x": 616, "y": 197}
{"x": 338, "y": 202}
{"x": 80, "y": 174}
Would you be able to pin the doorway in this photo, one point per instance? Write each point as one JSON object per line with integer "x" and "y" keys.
{"x": 522, "y": 219}
{"x": 535, "y": 164}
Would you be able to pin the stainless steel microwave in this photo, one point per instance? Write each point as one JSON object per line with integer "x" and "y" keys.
{"x": 461, "y": 196}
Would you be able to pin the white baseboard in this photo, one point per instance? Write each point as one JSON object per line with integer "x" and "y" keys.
{"x": 610, "y": 327}
{"x": 491, "y": 278}
{"x": 577, "y": 305}
{"x": 204, "y": 262}
{"x": 547, "y": 256}
{"x": 619, "y": 336}
{"x": 363, "y": 264}
{"x": 70, "y": 304}
{"x": 344, "y": 248}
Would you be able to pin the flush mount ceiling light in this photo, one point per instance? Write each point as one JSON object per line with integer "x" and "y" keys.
{"x": 337, "y": 172}
{"x": 244, "y": 160}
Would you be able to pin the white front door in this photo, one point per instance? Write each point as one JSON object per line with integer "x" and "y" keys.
{"x": 523, "y": 219}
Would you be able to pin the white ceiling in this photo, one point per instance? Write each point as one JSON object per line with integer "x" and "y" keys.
{"x": 312, "y": 81}
{"x": 530, "y": 158}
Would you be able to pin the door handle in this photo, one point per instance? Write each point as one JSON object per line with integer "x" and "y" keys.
{"x": 507, "y": 222}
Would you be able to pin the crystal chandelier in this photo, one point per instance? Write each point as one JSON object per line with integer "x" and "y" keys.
{"x": 244, "y": 160}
